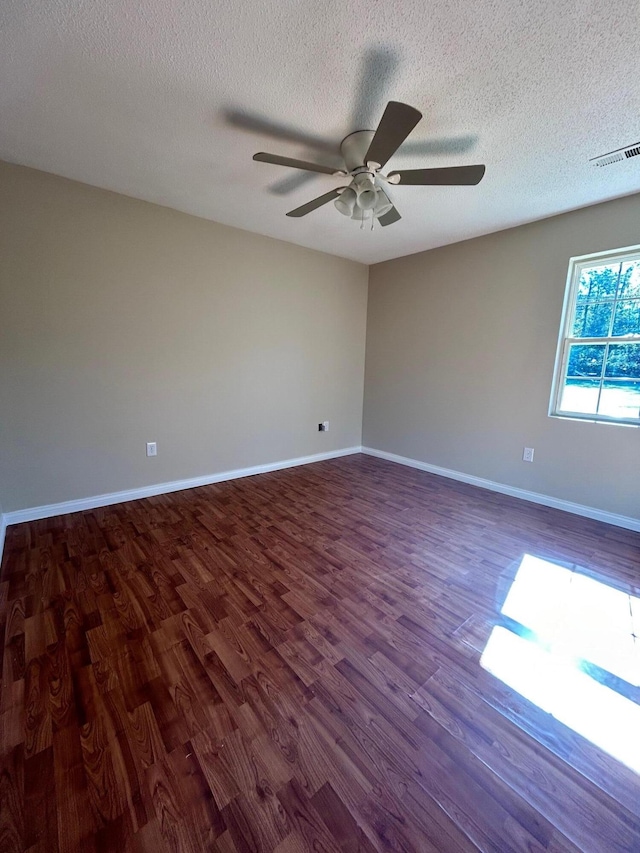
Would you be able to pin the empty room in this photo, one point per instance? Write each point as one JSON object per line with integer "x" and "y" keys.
{"x": 319, "y": 427}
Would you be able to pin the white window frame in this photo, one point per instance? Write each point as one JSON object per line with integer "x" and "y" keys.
{"x": 576, "y": 266}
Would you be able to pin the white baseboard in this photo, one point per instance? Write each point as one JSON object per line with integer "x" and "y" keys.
{"x": 546, "y": 500}
{"x": 34, "y": 513}
{"x": 37, "y": 512}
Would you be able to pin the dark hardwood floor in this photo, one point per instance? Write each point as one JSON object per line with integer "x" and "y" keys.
{"x": 291, "y": 662}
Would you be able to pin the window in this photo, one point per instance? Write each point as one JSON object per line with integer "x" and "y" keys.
{"x": 597, "y": 375}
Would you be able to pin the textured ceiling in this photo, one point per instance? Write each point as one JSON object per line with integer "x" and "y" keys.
{"x": 167, "y": 101}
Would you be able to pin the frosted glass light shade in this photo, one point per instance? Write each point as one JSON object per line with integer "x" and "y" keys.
{"x": 383, "y": 204}
{"x": 367, "y": 200}
{"x": 366, "y": 190}
{"x": 361, "y": 215}
{"x": 346, "y": 201}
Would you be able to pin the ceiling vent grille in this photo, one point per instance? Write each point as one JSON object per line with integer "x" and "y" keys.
{"x": 617, "y": 156}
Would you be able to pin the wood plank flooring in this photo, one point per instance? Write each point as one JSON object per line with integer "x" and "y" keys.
{"x": 291, "y": 662}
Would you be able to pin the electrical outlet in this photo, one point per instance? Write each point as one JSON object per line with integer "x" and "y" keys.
{"x": 527, "y": 455}
{"x": 152, "y": 448}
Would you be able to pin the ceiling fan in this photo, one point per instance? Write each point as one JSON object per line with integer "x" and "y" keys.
{"x": 365, "y": 153}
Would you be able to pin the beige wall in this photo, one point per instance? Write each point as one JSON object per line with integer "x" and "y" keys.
{"x": 461, "y": 344}
{"x": 122, "y": 322}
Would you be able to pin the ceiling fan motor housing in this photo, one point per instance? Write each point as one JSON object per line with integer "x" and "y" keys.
{"x": 354, "y": 148}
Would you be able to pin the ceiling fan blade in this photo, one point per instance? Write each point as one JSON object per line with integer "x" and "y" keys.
{"x": 450, "y": 176}
{"x": 390, "y": 217}
{"x": 295, "y": 164}
{"x": 397, "y": 122}
{"x": 317, "y": 202}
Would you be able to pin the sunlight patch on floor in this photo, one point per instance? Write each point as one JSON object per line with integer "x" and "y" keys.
{"x": 569, "y": 645}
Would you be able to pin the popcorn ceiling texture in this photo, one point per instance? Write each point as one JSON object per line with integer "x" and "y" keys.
{"x": 168, "y": 101}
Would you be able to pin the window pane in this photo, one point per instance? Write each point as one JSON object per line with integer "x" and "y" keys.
{"x": 620, "y": 399}
{"x": 627, "y": 319}
{"x": 580, "y": 395}
{"x": 598, "y": 282}
{"x": 624, "y": 361}
{"x": 630, "y": 281}
{"x": 592, "y": 321}
{"x": 586, "y": 359}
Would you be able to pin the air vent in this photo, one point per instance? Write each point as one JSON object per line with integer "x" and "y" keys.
{"x": 617, "y": 156}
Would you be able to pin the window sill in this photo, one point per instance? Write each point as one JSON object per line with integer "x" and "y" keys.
{"x": 591, "y": 419}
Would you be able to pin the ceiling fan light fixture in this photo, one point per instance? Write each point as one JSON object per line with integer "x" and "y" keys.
{"x": 346, "y": 201}
{"x": 367, "y": 199}
{"x": 365, "y": 153}
{"x": 383, "y": 204}
{"x": 366, "y": 190}
{"x": 360, "y": 215}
